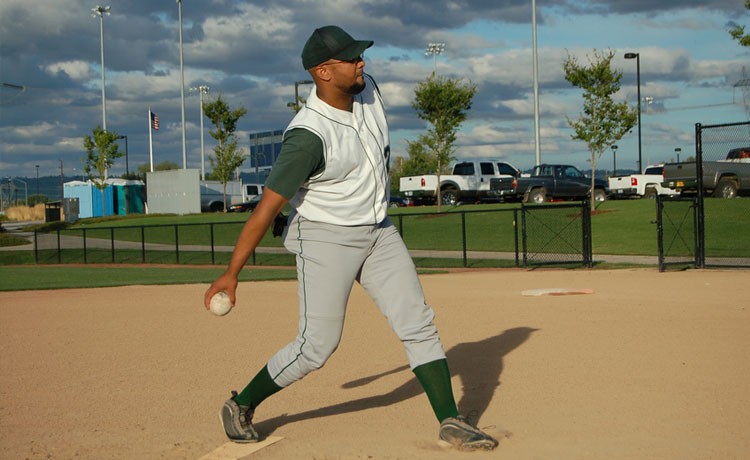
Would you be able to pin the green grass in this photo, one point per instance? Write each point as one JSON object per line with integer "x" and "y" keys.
{"x": 625, "y": 227}
{"x": 7, "y": 240}
{"x": 62, "y": 277}
{"x": 40, "y": 277}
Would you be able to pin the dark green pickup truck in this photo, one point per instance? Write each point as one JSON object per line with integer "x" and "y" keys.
{"x": 548, "y": 182}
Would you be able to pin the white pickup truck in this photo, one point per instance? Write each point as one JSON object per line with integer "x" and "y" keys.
{"x": 646, "y": 185}
{"x": 212, "y": 194}
{"x": 469, "y": 182}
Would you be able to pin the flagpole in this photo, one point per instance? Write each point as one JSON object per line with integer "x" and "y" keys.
{"x": 150, "y": 142}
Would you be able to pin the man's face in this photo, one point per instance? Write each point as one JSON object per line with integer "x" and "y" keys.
{"x": 347, "y": 75}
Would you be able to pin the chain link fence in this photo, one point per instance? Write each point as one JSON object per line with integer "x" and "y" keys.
{"x": 677, "y": 220}
{"x": 557, "y": 234}
{"x": 551, "y": 234}
{"x": 709, "y": 229}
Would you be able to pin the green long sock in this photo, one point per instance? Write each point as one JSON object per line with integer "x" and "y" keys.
{"x": 259, "y": 388}
{"x": 436, "y": 381}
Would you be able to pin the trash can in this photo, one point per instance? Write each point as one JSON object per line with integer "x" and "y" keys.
{"x": 52, "y": 211}
{"x": 70, "y": 210}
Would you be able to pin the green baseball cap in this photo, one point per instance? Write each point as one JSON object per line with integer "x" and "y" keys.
{"x": 331, "y": 42}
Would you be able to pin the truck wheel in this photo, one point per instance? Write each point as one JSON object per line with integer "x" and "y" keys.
{"x": 599, "y": 195}
{"x": 650, "y": 193}
{"x": 216, "y": 207}
{"x": 537, "y": 196}
{"x": 726, "y": 189}
{"x": 450, "y": 196}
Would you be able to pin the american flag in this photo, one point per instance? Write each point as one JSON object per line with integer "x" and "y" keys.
{"x": 154, "y": 121}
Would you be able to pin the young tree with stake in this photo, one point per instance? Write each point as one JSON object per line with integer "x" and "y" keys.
{"x": 227, "y": 156}
{"x": 603, "y": 121}
{"x": 101, "y": 152}
{"x": 443, "y": 102}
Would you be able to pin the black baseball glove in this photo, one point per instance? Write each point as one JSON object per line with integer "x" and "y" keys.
{"x": 279, "y": 223}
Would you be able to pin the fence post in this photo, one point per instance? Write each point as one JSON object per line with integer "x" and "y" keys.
{"x": 523, "y": 233}
{"x": 177, "y": 242}
{"x": 660, "y": 232}
{"x": 85, "y": 249}
{"x": 463, "y": 236}
{"x": 143, "y": 244}
{"x": 112, "y": 242}
{"x": 36, "y": 248}
{"x": 59, "y": 248}
{"x": 588, "y": 250}
{"x": 213, "y": 258}
{"x": 515, "y": 233}
{"x": 700, "y": 255}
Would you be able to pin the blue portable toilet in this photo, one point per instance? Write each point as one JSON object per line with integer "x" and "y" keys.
{"x": 127, "y": 196}
{"x": 136, "y": 193}
{"x": 82, "y": 191}
{"x": 89, "y": 198}
{"x": 96, "y": 201}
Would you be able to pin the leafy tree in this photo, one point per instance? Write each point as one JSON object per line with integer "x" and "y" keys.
{"x": 419, "y": 162}
{"x": 298, "y": 104}
{"x": 101, "y": 152}
{"x": 603, "y": 121}
{"x": 442, "y": 102}
{"x": 163, "y": 166}
{"x": 36, "y": 199}
{"x": 738, "y": 32}
{"x": 227, "y": 156}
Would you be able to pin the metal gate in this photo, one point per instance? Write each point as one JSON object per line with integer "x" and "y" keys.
{"x": 677, "y": 222}
{"x": 557, "y": 234}
{"x": 705, "y": 230}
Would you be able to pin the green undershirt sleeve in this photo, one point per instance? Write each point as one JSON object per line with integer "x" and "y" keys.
{"x": 301, "y": 157}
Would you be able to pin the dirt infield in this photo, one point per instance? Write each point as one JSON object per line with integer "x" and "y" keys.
{"x": 650, "y": 366}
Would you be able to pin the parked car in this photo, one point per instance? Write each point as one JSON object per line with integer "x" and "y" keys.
{"x": 469, "y": 182}
{"x": 247, "y": 206}
{"x": 726, "y": 178}
{"x": 549, "y": 182}
{"x": 646, "y": 185}
{"x": 397, "y": 202}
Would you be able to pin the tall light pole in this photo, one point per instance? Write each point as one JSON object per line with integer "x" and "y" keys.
{"x": 637, "y": 57}
{"x": 203, "y": 89}
{"x": 296, "y": 105}
{"x": 37, "y": 181}
{"x": 182, "y": 88}
{"x": 614, "y": 159}
{"x": 677, "y": 151}
{"x": 537, "y": 147}
{"x": 100, "y": 11}
{"x": 434, "y": 49}
{"x": 296, "y": 89}
{"x": 127, "y": 168}
{"x": 648, "y": 100}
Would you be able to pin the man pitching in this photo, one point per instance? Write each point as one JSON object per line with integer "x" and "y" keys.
{"x": 333, "y": 170}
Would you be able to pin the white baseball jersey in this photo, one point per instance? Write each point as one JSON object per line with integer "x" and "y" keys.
{"x": 353, "y": 187}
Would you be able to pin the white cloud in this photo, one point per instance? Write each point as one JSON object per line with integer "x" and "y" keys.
{"x": 254, "y": 27}
{"x": 77, "y": 70}
{"x": 397, "y": 94}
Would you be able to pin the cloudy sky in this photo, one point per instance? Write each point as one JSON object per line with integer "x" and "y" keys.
{"x": 248, "y": 51}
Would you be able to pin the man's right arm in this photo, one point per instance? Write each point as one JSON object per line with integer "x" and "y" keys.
{"x": 301, "y": 157}
{"x": 270, "y": 205}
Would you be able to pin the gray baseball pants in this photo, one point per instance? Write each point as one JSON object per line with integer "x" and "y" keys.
{"x": 330, "y": 258}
